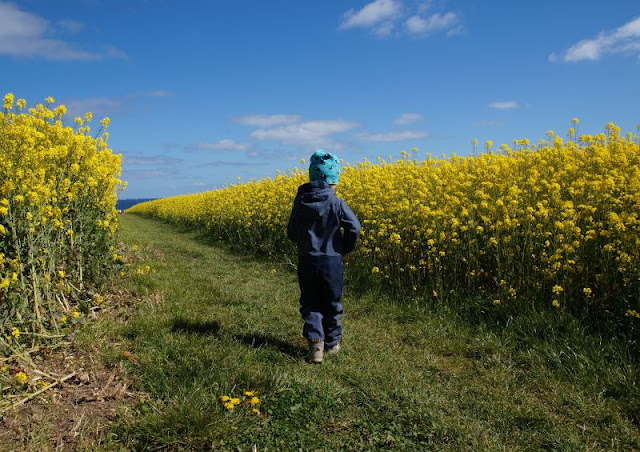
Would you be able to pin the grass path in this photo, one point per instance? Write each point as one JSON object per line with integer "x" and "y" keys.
{"x": 406, "y": 379}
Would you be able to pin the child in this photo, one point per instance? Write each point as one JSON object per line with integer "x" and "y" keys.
{"x": 314, "y": 224}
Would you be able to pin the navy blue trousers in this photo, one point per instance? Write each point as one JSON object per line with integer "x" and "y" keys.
{"x": 321, "y": 282}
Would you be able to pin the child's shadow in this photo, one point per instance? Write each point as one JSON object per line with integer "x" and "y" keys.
{"x": 255, "y": 340}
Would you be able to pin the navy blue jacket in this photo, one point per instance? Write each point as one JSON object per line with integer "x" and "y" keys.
{"x": 316, "y": 219}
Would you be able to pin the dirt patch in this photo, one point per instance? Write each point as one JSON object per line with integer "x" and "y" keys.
{"x": 75, "y": 414}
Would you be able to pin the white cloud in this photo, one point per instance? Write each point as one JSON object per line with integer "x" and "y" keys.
{"x": 384, "y": 30}
{"x": 155, "y": 93}
{"x": 424, "y": 6}
{"x": 268, "y": 120}
{"x": 393, "y": 136}
{"x": 218, "y": 163}
{"x": 624, "y": 39}
{"x": 150, "y": 174}
{"x": 434, "y": 23}
{"x": 506, "y": 105}
{"x": 222, "y": 145}
{"x": 456, "y": 31}
{"x": 488, "y": 123}
{"x": 95, "y": 105}
{"x": 371, "y": 14}
{"x": 70, "y": 26}
{"x": 308, "y": 133}
{"x": 385, "y": 18}
{"x": 23, "y": 34}
{"x": 141, "y": 160}
{"x": 408, "y": 118}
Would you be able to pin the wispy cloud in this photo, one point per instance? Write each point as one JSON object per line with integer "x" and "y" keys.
{"x": 377, "y": 15}
{"x": 506, "y": 105}
{"x": 395, "y": 17}
{"x": 393, "y": 136}
{"x": 267, "y": 120}
{"x": 221, "y": 145}
{"x": 26, "y": 35}
{"x": 145, "y": 160}
{"x": 434, "y": 23}
{"x": 408, "y": 118}
{"x": 112, "y": 105}
{"x": 218, "y": 163}
{"x": 155, "y": 93}
{"x": 95, "y": 105}
{"x": 150, "y": 173}
{"x": 70, "y": 26}
{"x": 624, "y": 39}
{"x": 142, "y": 166}
{"x": 306, "y": 133}
{"x": 488, "y": 123}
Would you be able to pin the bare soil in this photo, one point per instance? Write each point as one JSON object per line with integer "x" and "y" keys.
{"x": 77, "y": 413}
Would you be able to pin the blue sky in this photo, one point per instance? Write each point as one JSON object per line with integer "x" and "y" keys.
{"x": 201, "y": 93}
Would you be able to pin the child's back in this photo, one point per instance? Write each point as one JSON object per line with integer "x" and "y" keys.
{"x": 315, "y": 225}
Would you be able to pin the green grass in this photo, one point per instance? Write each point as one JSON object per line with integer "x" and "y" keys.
{"x": 409, "y": 377}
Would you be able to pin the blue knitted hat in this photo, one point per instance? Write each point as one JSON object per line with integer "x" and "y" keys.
{"x": 324, "y": 166}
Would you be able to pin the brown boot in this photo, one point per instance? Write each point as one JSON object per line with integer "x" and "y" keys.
{"x": 332, "y": 350}
{"x": 316, "y": 350}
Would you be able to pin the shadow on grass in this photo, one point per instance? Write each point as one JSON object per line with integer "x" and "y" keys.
{"x": 254, "y": 340}
{"x": 258, "y": 340}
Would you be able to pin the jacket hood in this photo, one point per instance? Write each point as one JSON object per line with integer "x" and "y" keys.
{"x": 315, "y": 198}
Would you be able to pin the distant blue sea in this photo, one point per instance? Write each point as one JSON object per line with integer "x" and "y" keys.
{"x": 124, "y": 204}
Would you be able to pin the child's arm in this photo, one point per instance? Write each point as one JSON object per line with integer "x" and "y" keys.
{"x": 291, "y": 226}
{"x": 349, "y": 222}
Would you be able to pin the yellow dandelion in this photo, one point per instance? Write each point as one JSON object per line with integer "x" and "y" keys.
{"x": 15, "y": 332}
{"x": 21, "y": 377}
{"x": 555, "y": 303}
